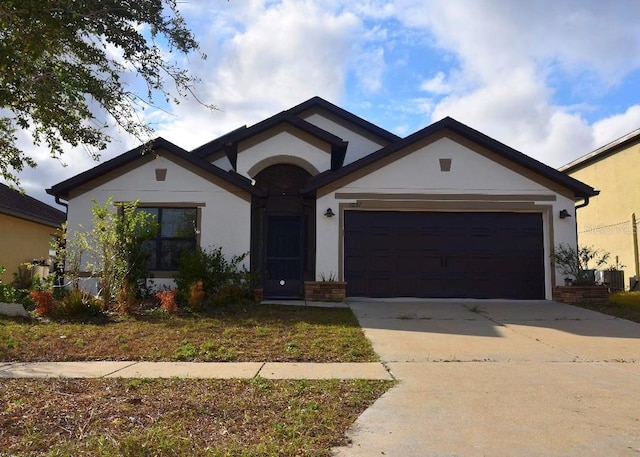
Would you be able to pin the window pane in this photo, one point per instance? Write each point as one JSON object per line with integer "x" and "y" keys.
{"x": 149, "y": 248}
{"x": 170, "y": 251}
{"x": 178, "y": 223}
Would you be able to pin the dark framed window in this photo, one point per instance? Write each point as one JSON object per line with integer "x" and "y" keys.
{"x": 176, "y": 234}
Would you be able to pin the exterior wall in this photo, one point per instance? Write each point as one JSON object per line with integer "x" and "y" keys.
{"x": 416, "y": 183}
{"x": 359, "y": 145}
{"x": 283, "y": 147}
{"x": 22, "y": 241}
{"x": 606, "y": 222}
{"x": 225, "y": 215}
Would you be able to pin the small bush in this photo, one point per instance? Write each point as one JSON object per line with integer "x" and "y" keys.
{"x": 7, "y": 292}
{"x": 229, "y": 294}
{"x": 22, "y": 278}
{"x": 76, "y": 302}
{"x": 575, "y": 263}
{"x": 168, "y": 300}
{"x": 213, "y": 270}
{"x": 45, "y": 305}
{"x": 196, "y": 295}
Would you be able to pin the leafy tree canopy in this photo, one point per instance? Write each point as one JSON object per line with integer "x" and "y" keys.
{"x": 61, "y": 59}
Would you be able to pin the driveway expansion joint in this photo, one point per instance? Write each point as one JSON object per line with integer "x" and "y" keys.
{"x": 386, "y": 367}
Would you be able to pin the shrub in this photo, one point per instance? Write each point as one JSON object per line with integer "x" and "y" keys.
{"x": 22, "y": 278}
{"x": 45, "y": 305}
{"x": 7, "y": 292}
{"x": 213, "y": 270}
{"x": 229, "y": 294}
{"x": 168, "y": 300}
{"x": 575, "y": 262}
{"x": 117, "y": 243}
{"x": 196, "y": 295}
{"x": 76, "y": 302}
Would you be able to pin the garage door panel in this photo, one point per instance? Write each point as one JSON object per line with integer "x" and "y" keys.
{"x": 427, "y": 254}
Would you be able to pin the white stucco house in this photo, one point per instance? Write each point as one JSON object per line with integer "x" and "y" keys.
{"x": 316, "y": 191}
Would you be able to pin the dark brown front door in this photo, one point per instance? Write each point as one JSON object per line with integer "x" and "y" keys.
{"x": 283, "y": 231}
{"x": 283, "y": 256}
{"x": 444, "y": 255}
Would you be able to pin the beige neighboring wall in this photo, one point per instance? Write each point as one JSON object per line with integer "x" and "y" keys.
{"x": 606, "y": 222}
{"x": 22, "y": 241}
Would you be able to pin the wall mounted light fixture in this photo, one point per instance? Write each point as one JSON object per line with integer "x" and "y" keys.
{"x": 329, "y": 213}
{"x": 564, "y": 214}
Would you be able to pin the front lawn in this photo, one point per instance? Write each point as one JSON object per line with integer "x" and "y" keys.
{"x": 177, "y": 417}
{"x": 244, "y": 333}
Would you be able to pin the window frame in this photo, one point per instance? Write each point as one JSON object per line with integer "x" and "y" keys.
{"x": 159, "y": 239}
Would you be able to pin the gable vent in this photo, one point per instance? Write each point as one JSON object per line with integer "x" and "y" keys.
{"x": 161, "y": 174}
{"x": 445, "y": 164}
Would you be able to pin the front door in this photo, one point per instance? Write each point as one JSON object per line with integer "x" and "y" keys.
{"x": 283, "y": 269}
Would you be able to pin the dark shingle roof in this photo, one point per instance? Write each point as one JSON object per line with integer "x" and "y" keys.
{"x": 16, "y": 204}
{"x": 62, "y": 189}
{"x": 291, "y": 116}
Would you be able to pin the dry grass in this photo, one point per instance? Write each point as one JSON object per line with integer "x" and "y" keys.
{"x": 247, "y": 333}
{"x": 177, "y": 417}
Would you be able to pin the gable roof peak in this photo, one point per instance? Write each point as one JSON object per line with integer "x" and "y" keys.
{"x": 448, "y": 123}
{"x": 63, "y": 188}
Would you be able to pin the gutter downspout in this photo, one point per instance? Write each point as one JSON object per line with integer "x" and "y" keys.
{"x": 61, "y": 203}
{"x": 576, "y": 208}
{"x": 581, "y": 205}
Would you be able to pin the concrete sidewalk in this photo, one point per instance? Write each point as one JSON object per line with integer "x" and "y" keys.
{"x": 212, "y": 370}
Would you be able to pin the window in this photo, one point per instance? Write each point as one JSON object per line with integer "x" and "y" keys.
{"x": 177, "y": 233}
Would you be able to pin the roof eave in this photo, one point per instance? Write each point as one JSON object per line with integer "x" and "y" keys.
{"x": 580, "y": 189}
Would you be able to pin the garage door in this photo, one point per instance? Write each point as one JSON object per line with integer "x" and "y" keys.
{"x": 444, "y": 255}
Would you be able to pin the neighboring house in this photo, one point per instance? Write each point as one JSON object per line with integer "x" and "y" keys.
{"x": 607, "y": 222}
{"x": 316, "y": 191}
{"x": 27, "y": 227}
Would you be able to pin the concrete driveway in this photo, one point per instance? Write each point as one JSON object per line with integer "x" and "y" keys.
{"x": 500, "y": 378}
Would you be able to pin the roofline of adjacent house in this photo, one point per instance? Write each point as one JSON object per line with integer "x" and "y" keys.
{"x": 62, "y": 189}
{"x": 602, "y": 152}
{"x": 580, "y": 189}
{"x": 31, "y": 217}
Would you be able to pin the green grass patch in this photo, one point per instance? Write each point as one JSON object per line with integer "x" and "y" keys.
{"x": 625, "y": 305}
{"x": 243, "y": 334}
{"x": 175, "y": 417}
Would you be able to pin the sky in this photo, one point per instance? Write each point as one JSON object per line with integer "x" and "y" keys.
{"x": 554, "y": 79}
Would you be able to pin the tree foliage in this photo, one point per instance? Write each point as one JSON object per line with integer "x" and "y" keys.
{"x": 62, "y": 59}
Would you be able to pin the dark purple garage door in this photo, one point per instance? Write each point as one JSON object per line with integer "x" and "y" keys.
{"x": 444, "y": 254}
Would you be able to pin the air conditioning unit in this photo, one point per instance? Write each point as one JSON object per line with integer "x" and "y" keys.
{"x": 613, "y": 279}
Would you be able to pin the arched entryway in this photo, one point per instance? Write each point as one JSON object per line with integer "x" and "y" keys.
{"x": 283, "y": 231}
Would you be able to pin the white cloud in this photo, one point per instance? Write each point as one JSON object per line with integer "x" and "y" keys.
{"x": 510, "y": 54}
{"x": 496, "y": 65}
{"x": 436, "y": 85}
{"x": 277, "y": 55}
{"x": 370, "y": 69}
{"x": 614, "y": 127}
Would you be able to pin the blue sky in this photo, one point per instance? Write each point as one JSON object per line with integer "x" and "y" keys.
{"x": 553, "y": 79}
